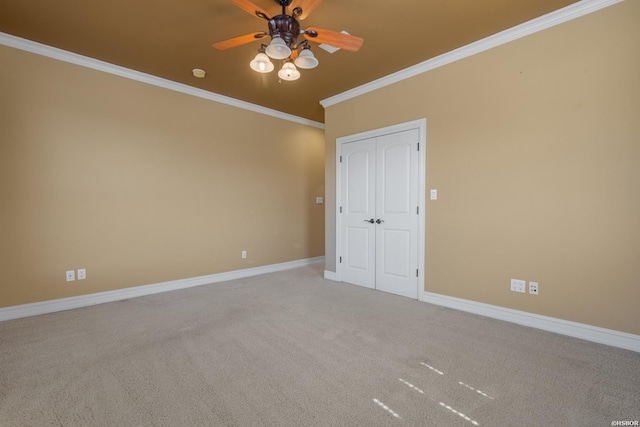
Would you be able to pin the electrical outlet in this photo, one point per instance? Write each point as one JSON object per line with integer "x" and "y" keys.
{"x": 518, "y": 285}
{"x": 71, "y": 275}
{"x": 533, "y": 288}
{"x": 82, "y": 273}
{"x": 244, "y": 254}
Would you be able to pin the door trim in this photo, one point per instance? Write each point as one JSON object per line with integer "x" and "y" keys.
{"x": 421, "y": 126}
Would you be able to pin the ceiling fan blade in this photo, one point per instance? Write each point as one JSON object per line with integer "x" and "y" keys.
{"x": 333, "y": 38}
{"x": 307, "y": 7}
{"x": 238, "y": 41}
{"x": 251, "y": 8}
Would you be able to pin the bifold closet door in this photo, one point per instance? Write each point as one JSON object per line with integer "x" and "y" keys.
{"x": 379, "y": 219}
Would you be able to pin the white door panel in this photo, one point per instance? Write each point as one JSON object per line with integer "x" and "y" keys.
{"x": 358, "y": 182}
{"x": 394, "y": 178}
{"x": 396, "y": 246}
{"x": 358, "y": 248}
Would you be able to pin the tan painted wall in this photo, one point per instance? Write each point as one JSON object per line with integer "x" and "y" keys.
{"x": 534, "y": 148}
{"x": 141, "y": 185}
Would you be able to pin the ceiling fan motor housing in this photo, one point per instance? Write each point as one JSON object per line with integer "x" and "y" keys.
{"x": 286, "y": 27}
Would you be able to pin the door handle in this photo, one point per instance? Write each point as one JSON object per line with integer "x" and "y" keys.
{"x": 369, "y": 220}
{"x": 379, "y": 221}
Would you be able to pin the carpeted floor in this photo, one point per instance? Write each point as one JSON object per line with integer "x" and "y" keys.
{"x": 293, "y": 349}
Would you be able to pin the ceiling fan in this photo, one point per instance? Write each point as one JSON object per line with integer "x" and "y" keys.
{"x": 284, "y": 30}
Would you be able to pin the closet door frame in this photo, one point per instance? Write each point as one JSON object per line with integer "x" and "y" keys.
{"x": 421, "y": 126}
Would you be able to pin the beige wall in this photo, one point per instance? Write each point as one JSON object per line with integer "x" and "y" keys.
{"x": 534, "y": 148}
{"x": 141, "y": 185}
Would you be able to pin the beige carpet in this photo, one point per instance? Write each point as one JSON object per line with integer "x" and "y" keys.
{"x": 292, "y": 349}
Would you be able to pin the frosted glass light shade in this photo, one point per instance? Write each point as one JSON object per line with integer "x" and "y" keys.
{"x": 261, "y": 63}
{"x": 278, "y": 49}
{"x": 289, "y": 72}
{"x": 306, "y": 60}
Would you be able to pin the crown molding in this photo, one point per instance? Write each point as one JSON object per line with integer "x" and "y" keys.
{"x": 568, "y": 13}
{"x": 85, "y": 61}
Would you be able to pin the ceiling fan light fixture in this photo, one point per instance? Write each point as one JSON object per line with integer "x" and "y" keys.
{"x": 261, "y": 63}
{"x": 289, "y": 72}
{"x": 278, "y": 49}
{"x": 306, "y": 60}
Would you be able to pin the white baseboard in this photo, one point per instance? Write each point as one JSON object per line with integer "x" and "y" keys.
{"x": 52, "y": 306}
{"x": 331, "y": 275}
{"x": 551, "y": 324}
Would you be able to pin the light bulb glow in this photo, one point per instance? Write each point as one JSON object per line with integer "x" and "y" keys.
{"x": 261, "y": 63}
{"x": 289, "y": 72}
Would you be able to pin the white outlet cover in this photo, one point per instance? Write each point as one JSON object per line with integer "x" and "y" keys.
{"x": 71, "y": 275}
{"x": 518, "y": 285}
{"x": 82, "y": 273}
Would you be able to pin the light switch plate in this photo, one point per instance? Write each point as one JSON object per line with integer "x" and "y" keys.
{"x": 434, "y": 194}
